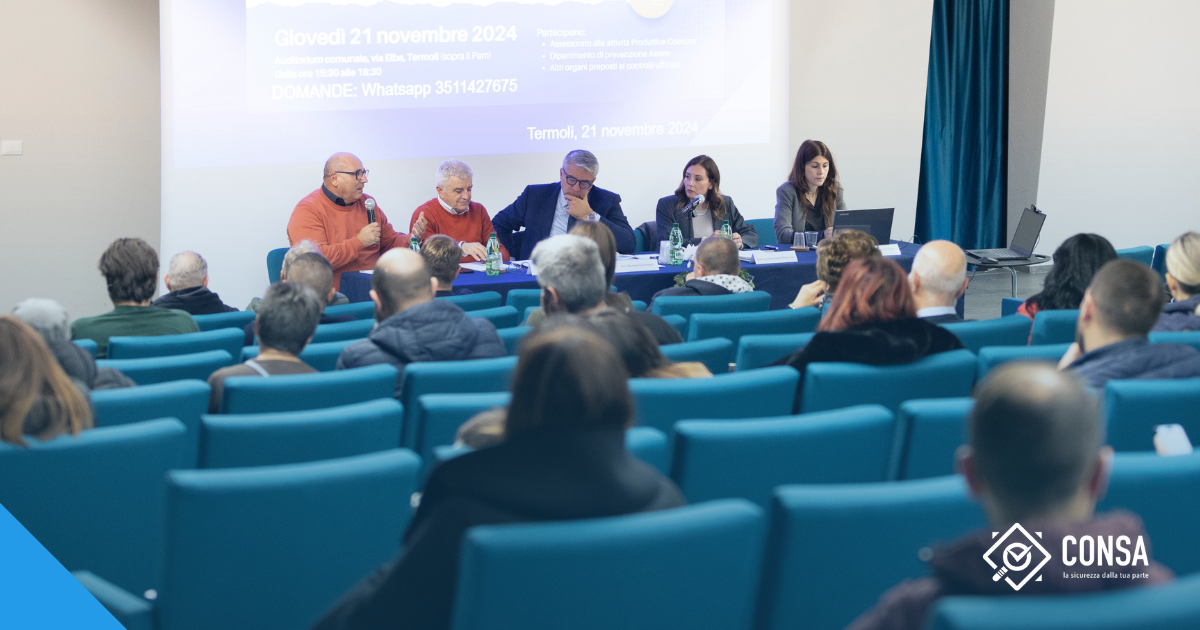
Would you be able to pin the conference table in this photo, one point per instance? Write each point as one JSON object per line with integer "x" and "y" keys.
{"x": 781, "y": 280}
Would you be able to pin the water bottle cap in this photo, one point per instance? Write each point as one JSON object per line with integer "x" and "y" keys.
{"x": 675, "y": 224}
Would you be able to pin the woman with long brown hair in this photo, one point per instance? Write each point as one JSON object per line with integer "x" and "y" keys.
{"x": 813, "y": 191}
{"x": 36, "y": 397}
{"x": 702, "y": 178}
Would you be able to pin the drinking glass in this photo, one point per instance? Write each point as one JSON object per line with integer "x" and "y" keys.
{"x": 811, "y": 238}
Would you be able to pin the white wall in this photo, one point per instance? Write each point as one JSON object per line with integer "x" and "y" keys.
{"x": 1121, "y": 151}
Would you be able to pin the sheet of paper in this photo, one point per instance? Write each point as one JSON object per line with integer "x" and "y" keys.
{"x": 773, "y": 258}
{"x": 891, "y": 249}
{"x": 629, "y": 265}
{"x": 746, "y": 255}
{"x": 478, "y": 266}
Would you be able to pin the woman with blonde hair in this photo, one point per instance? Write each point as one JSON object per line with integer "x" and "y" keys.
{"x": 1183, "y": 283}
{"x": 37, "y": 398}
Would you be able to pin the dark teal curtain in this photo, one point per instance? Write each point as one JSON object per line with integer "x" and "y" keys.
{"x": 962, "y": 195}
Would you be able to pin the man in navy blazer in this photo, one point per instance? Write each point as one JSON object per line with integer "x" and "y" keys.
{"x": 546, "y": 210}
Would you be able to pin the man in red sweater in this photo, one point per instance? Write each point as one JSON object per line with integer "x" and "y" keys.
{"x": 453, "y": 213}
{"x": 335, "y": 218}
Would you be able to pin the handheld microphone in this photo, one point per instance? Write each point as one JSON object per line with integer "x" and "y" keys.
{"x": 690, "y": 209}
{"x": 370, "y": 204}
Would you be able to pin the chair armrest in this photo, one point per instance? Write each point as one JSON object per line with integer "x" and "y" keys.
{"x": 131, "y": 611}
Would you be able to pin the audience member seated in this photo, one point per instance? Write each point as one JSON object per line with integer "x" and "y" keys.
{"x": 872, "y": 320}
{"x": 833, "y": 255}
{"x": 285, "y": 324}
{"x": 938, "y": 278}
{"x": 130, "y": 266}
{"x": 187, "y": 281}
{"x": 1183, "y": 283}
{"x": 453, "y": 213}
{"x": 564, "y": 458}
{"x": 312, "y": 270}
{"x": 303, "y": 247}
{"x": 1075, "y": 262}
{"x": 37, "y": 398}
{"x": 1118, "y": 311}
{"x": 715, "y": 271}
{"x": 1035, "y": 456}
{"x": 415, "y": 327}
{"x": 663, "y": 332}
{"x": 50, "y": 320}
{"x": 442, "y": 255}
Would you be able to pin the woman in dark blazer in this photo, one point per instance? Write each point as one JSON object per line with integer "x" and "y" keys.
{"x": 807, "y": 200}
{"x": 701, "y": 177}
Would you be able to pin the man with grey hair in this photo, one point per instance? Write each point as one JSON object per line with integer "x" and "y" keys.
{"x": 187, "y": 281}
{"x": 546, "y": 210}
{"x": 453, "y": 213}
{"x": 938, "y": 278}
{"x": 312, "y": 270}
{"x": 50, "y": 320}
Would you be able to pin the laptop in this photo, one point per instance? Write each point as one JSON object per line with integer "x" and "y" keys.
{"x": 877, "y": 222}
{"x": 1023, "y": 242}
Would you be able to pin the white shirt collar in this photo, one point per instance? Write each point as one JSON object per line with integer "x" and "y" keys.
{"x": 934, "y": 311}
{"x": 449, "y": 208}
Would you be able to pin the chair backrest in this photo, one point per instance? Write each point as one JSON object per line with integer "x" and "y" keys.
{"x": 649, "y": 445}
{"x": 638, "y": 305}
{"x": 266, "y": 439}
{"x": 439, "y": 416}
{"x": 716, "y": 354}
{"x": 822, "y": 537}
{"x": 993, "y": 357}
{"x": 320, "y": 356}
{"x": 225, "y": 339}
{"x": 512, "y": 337}
{"x": 928, "y": 432}
{"x": 474, "y": 301}
{"x": 96, "y": 501}
{"x": 89, "y": 345}
{"x": 1009, "y": 306}
{"x": 359, "y": 310}
{"x": 678, "y": 322}
{"x": 1172, "y": 606}
{"x": 275, "y": 263}
{"x": 299, "y": 392}
{"x": 690, "y": 567}
{"x": 1160, "y": 259}
{"x": 217, "y": 321}
{"x": 1163, "y": 491}
{"x": 1143, "y": 254}
{"x": 522, "y": 299}
{"x": 185, "y": 401}
{"x": 1012, "y": 330}
{"x": 716, "y": 459}
{"x": 342, "y": 331}
{"x": 686, "y": 306}
{"x": 755, "y": 351}
{"x": 1054, "y": 327}
{"x": 660, "y": 402}
{"x": 449, "y": 377}
{"x": 173, "y": 368}
{"x": 1186, "y": 337}
{"x": 1135, "y": 407}
{"x": 275, "y": 546}
{"x": 833, "y": 385}
{"x": 732, "y": 326}
{"x": 500, "y": 316}
{"x": 765, "y": 228}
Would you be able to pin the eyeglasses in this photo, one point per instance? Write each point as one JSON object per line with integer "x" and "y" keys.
{"x": 359, "y": 174}
{"x": 583, "y": 184}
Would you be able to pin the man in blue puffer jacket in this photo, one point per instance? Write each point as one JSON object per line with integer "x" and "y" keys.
{"x": 415, "y": 327}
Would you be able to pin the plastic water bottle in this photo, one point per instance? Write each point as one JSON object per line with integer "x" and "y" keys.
{"x": 676, "y": 245}
{"x": 414, "y": 243}
{"x": 726, "y": 231}
{"x": 493, "y": 256}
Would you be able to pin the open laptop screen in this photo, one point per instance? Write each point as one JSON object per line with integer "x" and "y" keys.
{"x": 1027, "y": 232}
{"x": 876, "y": 221}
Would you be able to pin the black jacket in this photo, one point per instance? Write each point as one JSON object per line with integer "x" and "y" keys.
{"x": 1179, "y": 316}
{"x": 81, "y": 367}
{"x": 668, "y": 213}
{"x": 948, "y": 318}
{"x": 538, "y": 476}
{"x": 434, "y": 331}
{"x": 1136, "y": 358}
{"x": 194, "y": 300}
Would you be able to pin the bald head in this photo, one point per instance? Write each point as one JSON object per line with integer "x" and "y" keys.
{"x": 401, "y": 280}
{"x": 716, "y": 256}
{"x": 939, "y": 274}
{"x": 340, "y": 178}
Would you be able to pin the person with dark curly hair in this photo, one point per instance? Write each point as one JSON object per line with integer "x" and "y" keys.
{"x": 130, "y": 267}
{"x": 1075, "y": 262}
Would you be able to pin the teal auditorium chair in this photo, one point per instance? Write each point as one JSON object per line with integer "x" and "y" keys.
{"x": 300, "y": 392}
{"x": 755, "y": 351}
{"x": 1009, "y": 306}
{"x": 173, "y": 368}
{"x": 686, "y": 306}
{"x": 1012, "y": 330}
{"x": 644, "y": 443}
{"x": 512, "y": 337}
{"x": 717, "y": 459}
{"x": 320, "y": 356}
{"x": 357, "y": 310}
{"x": 500, "y": 316}
{"x": 1160, "y": 260}
{"x": 1172, "y": 606}
{"x": 716, "y": 353}
{"x": 1143, "y": 254}
{"x": 1054, "y": 327}
{"x": 89, "y": 345}
{"x": 438, "y": 417}
{"x": 272, "y": 546}
{"x": 834, "y": 549}
{"x": 834, "y": 385}
{"x": 267, "y": 439}
{"x": 1190, "y": 337}
{"x": 448, "y": 377}
{"x": 225, "y": 339}
{"x": 183, "y": 400}
{"x": 991, "y": 358}
{"x": 1162, "y": 491}
{"x": 765, "y": 228}
{"x": 733, "y": 325}
{"x": 1135, "y": 407}
{"x": 474, "y": 301}
{"x": 691, "y": 567}
{"x": 928, "y": 432}
{"x": 218, "y": 321}
{"x": 660, "y": 402}
{"x": 522, "y": 299}
{"x": 96, "y": 501}
{"x": 275, "y": 263}
{"x": 678, "y": 322}
{"x": 342, "y": 331}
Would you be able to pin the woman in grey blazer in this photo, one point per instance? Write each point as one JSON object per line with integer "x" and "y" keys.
{"x": 807, "y": 200}
{"x": 701, "y": 177}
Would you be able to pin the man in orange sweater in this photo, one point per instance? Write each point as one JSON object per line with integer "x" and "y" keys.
{"x": 453, "y": 213}
{"x": 335, "y": 218}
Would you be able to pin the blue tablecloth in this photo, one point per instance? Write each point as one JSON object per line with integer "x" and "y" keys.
{"x": 782, "y": 281}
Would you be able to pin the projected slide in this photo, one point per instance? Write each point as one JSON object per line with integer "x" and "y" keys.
{"x": 418, "y": 78}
